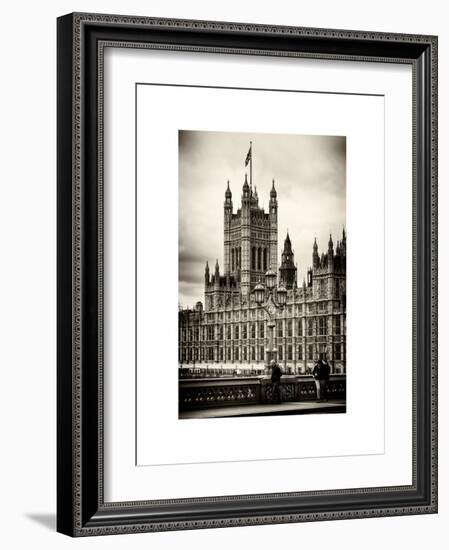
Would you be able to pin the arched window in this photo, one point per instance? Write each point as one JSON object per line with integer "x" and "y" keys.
{"x": 233, "y": 259}
{"x": 337, "y": 325}
{"x": 323, "y": 288}
{"x": 259, "y": 258}
{"x": 310, "y": 327}
{"x": 338, "y": 352}
{"x": 279, "y": 331}
{"x": 253, "y": 257}
{"x": 310, "y": 356}
{"x": 265, "y": 259}
{"x": 322, "y": 326}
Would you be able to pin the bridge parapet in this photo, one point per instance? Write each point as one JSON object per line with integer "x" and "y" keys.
{"x": 201, "y": 393}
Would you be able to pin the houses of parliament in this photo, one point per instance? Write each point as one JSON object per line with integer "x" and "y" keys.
{"x": 228, "y": 334}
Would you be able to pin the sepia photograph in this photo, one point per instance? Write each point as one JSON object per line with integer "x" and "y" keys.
{"x": 262, "y": 274}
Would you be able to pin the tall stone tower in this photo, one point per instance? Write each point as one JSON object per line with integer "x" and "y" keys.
{"x": 250, "y": 238}
{"x": 245, "y": 239}
{"x": 328, "y": 274}
{"x": 227, "y": 230}
{"x": 287, "y": 271}
{"x": 273, "y": 217}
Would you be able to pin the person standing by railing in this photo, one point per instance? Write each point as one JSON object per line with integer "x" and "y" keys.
{"x": 276, "y": 374}
{"x": 321, "y": 373}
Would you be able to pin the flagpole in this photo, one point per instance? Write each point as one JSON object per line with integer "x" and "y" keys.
{"x": 251, "y": 164}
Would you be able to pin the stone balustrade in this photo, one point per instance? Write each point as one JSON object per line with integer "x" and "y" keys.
{"x": 200, "y": 393}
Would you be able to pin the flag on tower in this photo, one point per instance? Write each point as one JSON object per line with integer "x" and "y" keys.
{"x": 248, "y": 156}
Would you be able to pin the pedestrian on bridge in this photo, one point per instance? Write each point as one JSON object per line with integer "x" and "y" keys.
{"x": 321, "y": 373}
{"x": 276, "y": 374}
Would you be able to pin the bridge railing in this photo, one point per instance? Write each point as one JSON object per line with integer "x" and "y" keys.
{"x": 201, "y": 393}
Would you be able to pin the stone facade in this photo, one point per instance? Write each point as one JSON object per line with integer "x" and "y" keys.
{"x": 229, "y": 333}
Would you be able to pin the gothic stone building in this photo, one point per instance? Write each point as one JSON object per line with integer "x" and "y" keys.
{"x": 229, "y": 333}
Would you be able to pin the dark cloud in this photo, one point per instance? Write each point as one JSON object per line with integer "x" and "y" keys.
{"x": 191, "y": 253}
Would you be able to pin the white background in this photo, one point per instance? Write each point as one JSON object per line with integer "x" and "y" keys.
{"x": 28, "y": 306}
{"x": 360, "y": 119}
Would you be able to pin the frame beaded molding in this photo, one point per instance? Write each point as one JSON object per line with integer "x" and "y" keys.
{"x": 81, "y": 19}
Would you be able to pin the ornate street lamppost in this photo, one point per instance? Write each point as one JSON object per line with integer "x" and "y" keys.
{"x": 272, "y": 300}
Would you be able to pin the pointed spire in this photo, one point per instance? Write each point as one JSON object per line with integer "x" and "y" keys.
{"x": 246, "y": 190}
{"x": 273, "y": 193}
{"x": 331, "y": 242}
{"x": 343, "y": 243}
{"x": 217, "y": 267}
{"x": 228, "y": 194}
{"x": 288, "y": 269}
{"x": 315, "y": 255}
{"x": 287, "y": 245}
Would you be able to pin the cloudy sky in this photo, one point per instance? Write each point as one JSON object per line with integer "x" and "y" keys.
{"x": 310, "y": 176}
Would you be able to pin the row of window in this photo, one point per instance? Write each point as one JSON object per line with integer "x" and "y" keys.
{"x": 321, "y": 307}
{"x": 236, "y": 258}
{"x": 322, "y": 288}
{"x": 241, "y": 331}
{"x": 257, "y": 353}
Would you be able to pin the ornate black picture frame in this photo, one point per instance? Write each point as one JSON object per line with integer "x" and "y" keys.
{"x": 81, "y": 510}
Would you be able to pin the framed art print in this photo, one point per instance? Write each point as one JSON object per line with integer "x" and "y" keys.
{"x": 247, "y": 288}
